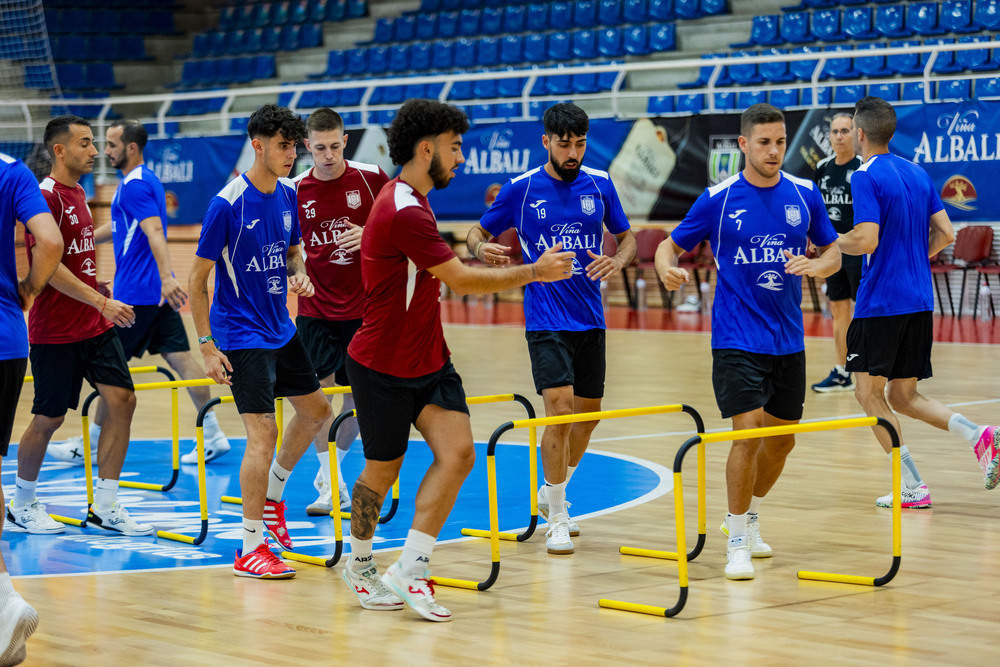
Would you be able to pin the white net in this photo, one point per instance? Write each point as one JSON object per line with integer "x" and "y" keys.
{"x": 27, "y": 76}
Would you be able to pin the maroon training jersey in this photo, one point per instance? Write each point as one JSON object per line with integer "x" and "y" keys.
{"x": 401, "y": 334}
{"x": 325, "y": 209}
{"x": 56, "y": 317}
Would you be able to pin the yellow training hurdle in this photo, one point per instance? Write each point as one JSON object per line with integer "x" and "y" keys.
{"x": 532, "y": 423}
{"x": 726, "y": 436}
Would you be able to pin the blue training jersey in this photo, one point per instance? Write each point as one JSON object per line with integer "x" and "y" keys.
{"x": 900, "y": 198}
{"x": 758, "y": 307}
{"x": 20, "y": 199}
{"x": 139, "y": 196}
{"x": 545, "y": 211}
{"x": 247, "y": 234}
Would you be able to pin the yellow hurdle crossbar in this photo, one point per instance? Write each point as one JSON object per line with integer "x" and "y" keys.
{"x": 747, "y": 434}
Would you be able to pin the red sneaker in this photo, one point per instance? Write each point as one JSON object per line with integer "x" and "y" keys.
{"x": 261, "y": 563}
{"x": 274, "y": 521}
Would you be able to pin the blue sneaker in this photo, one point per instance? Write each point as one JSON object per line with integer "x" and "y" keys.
{"x": 834, "y": 382}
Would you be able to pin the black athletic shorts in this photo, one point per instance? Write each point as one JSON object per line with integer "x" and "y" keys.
{"x": 894, "y": 346}
{"x": 387, "y": 405}
{"x": 568, "y": 358}
{"x": 260, "y": 375}
{"x": 157, "y": 329}
{"x": 60, "y": 368}
{"x": 745, "y": 381}
{"x": 326, "y": 342}
{"x": 11, "y": 380}
{"x": 844, "y": 283}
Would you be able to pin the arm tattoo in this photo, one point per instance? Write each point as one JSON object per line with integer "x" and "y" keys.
{"x": 365, "y": 507}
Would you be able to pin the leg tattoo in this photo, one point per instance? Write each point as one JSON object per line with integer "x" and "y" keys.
{"x": 365, "y": 508}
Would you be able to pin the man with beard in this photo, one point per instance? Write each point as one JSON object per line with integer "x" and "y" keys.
{"x": 759, "y": 223}
{"x": 398, "y": 362}
{"x": 563, "y": 201}
{"x": 145, "y": 279}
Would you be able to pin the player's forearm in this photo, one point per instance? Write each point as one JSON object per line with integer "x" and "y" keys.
{"x": 158, "y": 246}
{"x": 475, "y": 280}
{"x": 626, "y": 249}
{"x": 102, "y": 234}
{"x": 198, "y": 290}
{"x": 474, "y": 240}
{"x": 45, "y": 260}
{"x": 293, "y": 262}
{"x": 665, "y": 256}
{"x": 862, "y": 240}
{"x": 67, "y": 283}
{"x": 828, "y": 262}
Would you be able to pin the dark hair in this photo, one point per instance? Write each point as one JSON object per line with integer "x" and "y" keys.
{"x": 877, "y": 118}
{"x": 58, "y": 128}
{"x": 759, "y": 114}
{"x": 271, "y": 120}
{"x": 565, "y": 120}
{"x": 324, "y": 120}
{"x": 133, "y": 132}
{"x": 419, "y": 119}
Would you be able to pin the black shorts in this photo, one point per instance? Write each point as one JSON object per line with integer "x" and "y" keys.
{"x": 745, "y": 381}
{"x": 844, "y": 283}
{"x": 60, "y": 368}
{"x": 11, "y": 381}
{"x": 895, "y": 346}
{"x": 387, "y": 405}
{"x": 568, "y": 358}
{"x": 326, "y": 343}
{"x": 260, "y": 375}
{"x": 157, "y": 329}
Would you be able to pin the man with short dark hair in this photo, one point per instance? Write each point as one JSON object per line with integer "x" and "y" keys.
{"x": 398, "y": 362}
{"x": 20, "y": 199}
{"x": 889, "y": 341}
{"x": 144, "y": 278}
{"x": 564, "y": 322}
{"x": 759, "y": 222}
{"x": 334, "y": 199}
{"x": 71, "y": 327}
{"x": 251, "y": 237}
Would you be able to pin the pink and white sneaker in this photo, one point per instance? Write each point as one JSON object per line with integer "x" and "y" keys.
{"x": 912, "y": 499}
{"x": 987, "y": 451}
{"x": 274, "y": 521}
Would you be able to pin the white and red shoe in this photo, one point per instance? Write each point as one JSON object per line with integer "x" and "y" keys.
{"x": 418, "y": 592}
{"x": 261, "y": 563}
{"x": 274, "y": 521}
{"x": 371, "y": 592}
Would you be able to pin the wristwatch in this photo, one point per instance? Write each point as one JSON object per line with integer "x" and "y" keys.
{"x": 205, "y": 339}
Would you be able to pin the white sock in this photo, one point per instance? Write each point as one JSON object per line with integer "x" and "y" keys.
{"x": 557, "y": 497}
{"x": 755, "y": 502}
{"x": 253, "y": 534}
{"x": 361, "y": 554}
{"x": 737, "y": 524}
{"x": 6, "y": 589}
{"x": 911, "y": 478}
{"x": 324, "y": 464}
{"x": 417, "y": 550}
{"x": 105, "y": 493}
{"x": 210, "y": 425}
{"x": 964, "y": 429}
{"x": 276, "y": 481}
{"x": 341, "y": 453}
{"x": 24, "y": 492}
{"x": 569, "y": 473}
{"x": 841, "y": 370}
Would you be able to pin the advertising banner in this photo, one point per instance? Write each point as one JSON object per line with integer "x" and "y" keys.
{"x": 192, "y": 171}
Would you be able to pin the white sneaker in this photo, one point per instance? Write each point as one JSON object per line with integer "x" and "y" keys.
{"x": 215, "y": 447}
{"x": 543, "y": 509}
{"x": 18, "y": 620}
{"x": 758, "y": 547}
{"x": 418, "y": 592}
{"x": 323, "y": 505}
{"x": 371, "y": 591}
{"x": 913, "y": 499}
{"x": 71, "y": 451}
{"x": 33, "y": 518}
{"x": 738, "y": 563}
{"x": 117, "y": 518}
{"x": 557, "y": 536}
{"x": 690, "y": 305}
{"x": 345, "y": 499}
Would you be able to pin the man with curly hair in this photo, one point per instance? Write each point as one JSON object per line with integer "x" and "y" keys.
{"x": 251, "y": 237}
{"x": 398, "y": 362}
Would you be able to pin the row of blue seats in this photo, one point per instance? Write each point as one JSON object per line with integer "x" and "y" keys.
{"x": 109, "y": 21}
{"x": 511, "y": 19}
{"x": 19, "y": 48}
{"x": 291, "y": 37}
{"x": 262, "y": 15}
{"x": 81, "y": 108}
{"x": 663, "y": 10}
{"x": 824, "y": 4}
{"x": 110, "y": 4}
{"x": 910, "y": 63}
{"x": 91, "y": 76}
{"x": 78, "y": 47}
{"x": 863, "y": 23}
{"x": 228, "y": 70}
{"x": 535, "y": 48}
{"x": 847, "y": 94}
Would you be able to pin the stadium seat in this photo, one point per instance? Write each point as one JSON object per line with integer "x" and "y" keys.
{"x": 956, "y": 16}
{"x": 560, "y": 16}
{"x": 484, "y": 89}
{"x": 954, "y": 90}
{"x": 887, "y": 91}
{"x": 584, "y": 14}
{"x": 661, "y": 10}
{"x": 913, "y": 91}
{"x": 399, "y": 58}
{"x": 690, "y": 103}
{"x": 725, "y": 101}
{"x": 199, "y": 48}
{"x": 336, "y": 10}
{"x": 795, "y": 28}
{"x": 405, "y": 29}
{"x": 514, "y": 17}
{"x": 987, "y": 17}
{"x": 336, "y": 65}
{"x": 890, "y": 21}
{"x": 636, "y": 42}
{"x": 101, "y": 76}
{"x": 227, "y": 17}
{"x": 508, "y": 110}
{"x": 858, "y": 23}
{"x": 748, "y": 98}
{"x": 378, "y": 59}
{"x": 262, "y": 17}
{"x": 357, "y": 9}
{"x": 465, "y": 53}
{"x": 426, "y": 26}
{"x": 468, "y": 22}
{"x": 317, "y": 11}
{"x": 777, "y": 71}
{"x": 443, "y": 55}
{"x": 826, "y": 26}
{"x": 280, "y": 13}
{"x": 871, "y": 66}
{"x": 357, "y": 61}
{"x": 510, "y": 87}
{"x": 271, "y": 39}
{"x": 290, "y": 36}
{"x": 823, "y": 96}
{"x": 227, "y": 71}
{"x": 488, "y": 51}
{"x": 609, "y": 13}
{"x": 512, "y": 49}
{"x": 744, "y": 74}
{"x": 848, "y": 94}
{"x": 660, "y": 104}
{"x": 839, "y": 68}
{"x": 585, "y": 84}
{"x": 536, "y": 47}
{"x": 461, "y": 90}
{"x": 492, "y": 21}
{"x": 921, "y": 19}
{"x": 560, "y": 46}
{"x": 299, "y": 12}
{"x": 784, "y": 97}
{"x": 714, "y": 7}
{"x": 311, "y": 36}
{"x": 537, "y": 17}
{"x": 420, "y": 56}
{"x": 609, "y": 42}
{"x": 253, "y": 41}
{"x": 384, "y": 30}
{"x": 975, "y": 60}
{"x": 71, "y": 75}
{"x": 264, "y": 67}
{"x": 634, "y": 11}
{"x": 763, "y": 32}
{"x": 560, "y": 84}
{"x": 907, "y": 64}
{"x": 945, "y": 61}
{"x": 803, "y": 69}
{"x": 663, "y": 37}
{"x": 687, "y": 9}
{"x": 584, "y": 43}
{"x": 988, "y": 88}
{"x": 451, "y": 5}
{"x": 705, "y": 74}
{"x": 447, "y": 25}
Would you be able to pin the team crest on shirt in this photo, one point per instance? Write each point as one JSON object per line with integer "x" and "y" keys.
{"x": 287, "y": 215}
{"x": 274, "y": 285}
{"x": 354, "y": 199}
{"x": 89, "y": 267}
{"x": 587, "y": 204}
{"x": 793, "y": 215}
{"x": 771, "y": 280}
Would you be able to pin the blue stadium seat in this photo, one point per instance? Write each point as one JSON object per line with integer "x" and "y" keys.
{"x": 584, "y": 14}
{"x": 227, "y": 71}
{"x": 705, "y": 74}
{"x": 399, "y": 58}
{"x": 584, "y": 43}
{"x": 280, "y": 14}
{"x": 351, "y": 118}
{"x": 310, "y": 99}
{"x": 199, "y": 49}
{"x": 954, "y": 90}
{"x": 747, "y": 98}
{"x": 784, "y": 97}
{"x": 660, "y": 104}
{"x": 956, "y": 16}
{"x": 560, "y": 16}
{"x": 253, "y": 40}
{"x": 300, "y": 12}
{"x": 384, "y": 116}
{"x": 317, "y": 11}
{"x": 839, "y": 68}
{"x": 559, "y": 46}
{"x": 218, "y": 43}
{"x": 508, "y": 110}
{"x": 71, "y": 75}
{"x": 246, "y": 16}
{"x": 427, "y": 26}
{"x": 465, "y": 53}
{"x": 451, "y": 5}
{"x": 744, "y": 74}
{"x": 848, "y": 94}
{"x": 661, "y": 10}
{"x": 311, "y": 36}
{"x": 887, "y": 91}
{"x": 227, "y": 17}
{"x": 272, "y": 39}
{"x": 823, "y": 96}
{"x": 336, "y": 10}
{"x": 987, "y": 17}
{"x": 988, "y": 88}
{"x": 482, "y": 112}
{"x": 351, "y": 97}
{"x": 484, "y": 89}
{"x": 585, "y": 84}
{"x": 688, "y": 9}
{"x": 725, "y": 101}
{"x": 921, "y": 19}
{"x": 691, "y": 103}
{"x": 378, "y": 60}
{"x": 609, "y": 12}
{"x": 447, "y": 25}
{"x": 636, "y": 41}
{"x": 236, "y": 42}
{"x": 777, "y": 71}
{"x": 514, "y": 17}
{"x": 913, "y": 91}
{"x": 858, "y": 23}
{"x": 907, "y": 64}
{"x": 262, "y": 17}
{"x": 890, "y": 21}
{"x": 443, "y": 55}
{"x": 336, "y": 65}
{"x": 714, "y": 7}
{"x": 763, "y": 32}
{"x": 420, "y": 56}
{"x": 492, "y": 21}
{"x": 264, "y": 67}
{"x": 210, "y": 72}
{"x": 826, "y": 26}
{"x": 663, "y": 37}
{"x": 415, "y": 91}
{"x": 536, "y": 47}
{"x": 512, "y": 49}
{"x": 976, "y": 60}
{"x": 384, "y": 30}
{"x": 357, "y": 61}
{"x": 405, "y": 29}
{"x": 871, "y": 66}
{"x": 945, "y": 62}
{"x": 635, "y": 11}
{"x": 510, "y": 87}
{"x": 488, "y": 51}
{"x": 537, "y": 17}
{"x": 357, "y": 9}
{"x": 461, "y": 90}
{"x": 609, "y": 42}
{"x": 560, "y": 84}
{"x": 290, "y": 36}
{"x": 795, "y": 28}
{"x": 468, "y": 22}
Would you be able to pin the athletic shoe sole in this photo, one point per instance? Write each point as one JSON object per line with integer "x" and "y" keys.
{"x": 832, "y": 390}
{"x": 367, "y": 605}
{"x": 266, "y": 575}
{"x": 24, "y": 621}
{"x": 47, "y": 531}
{"x": 389, "y": 579}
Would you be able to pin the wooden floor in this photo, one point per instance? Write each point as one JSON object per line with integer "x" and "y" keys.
{"x": 942, "y": 608}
